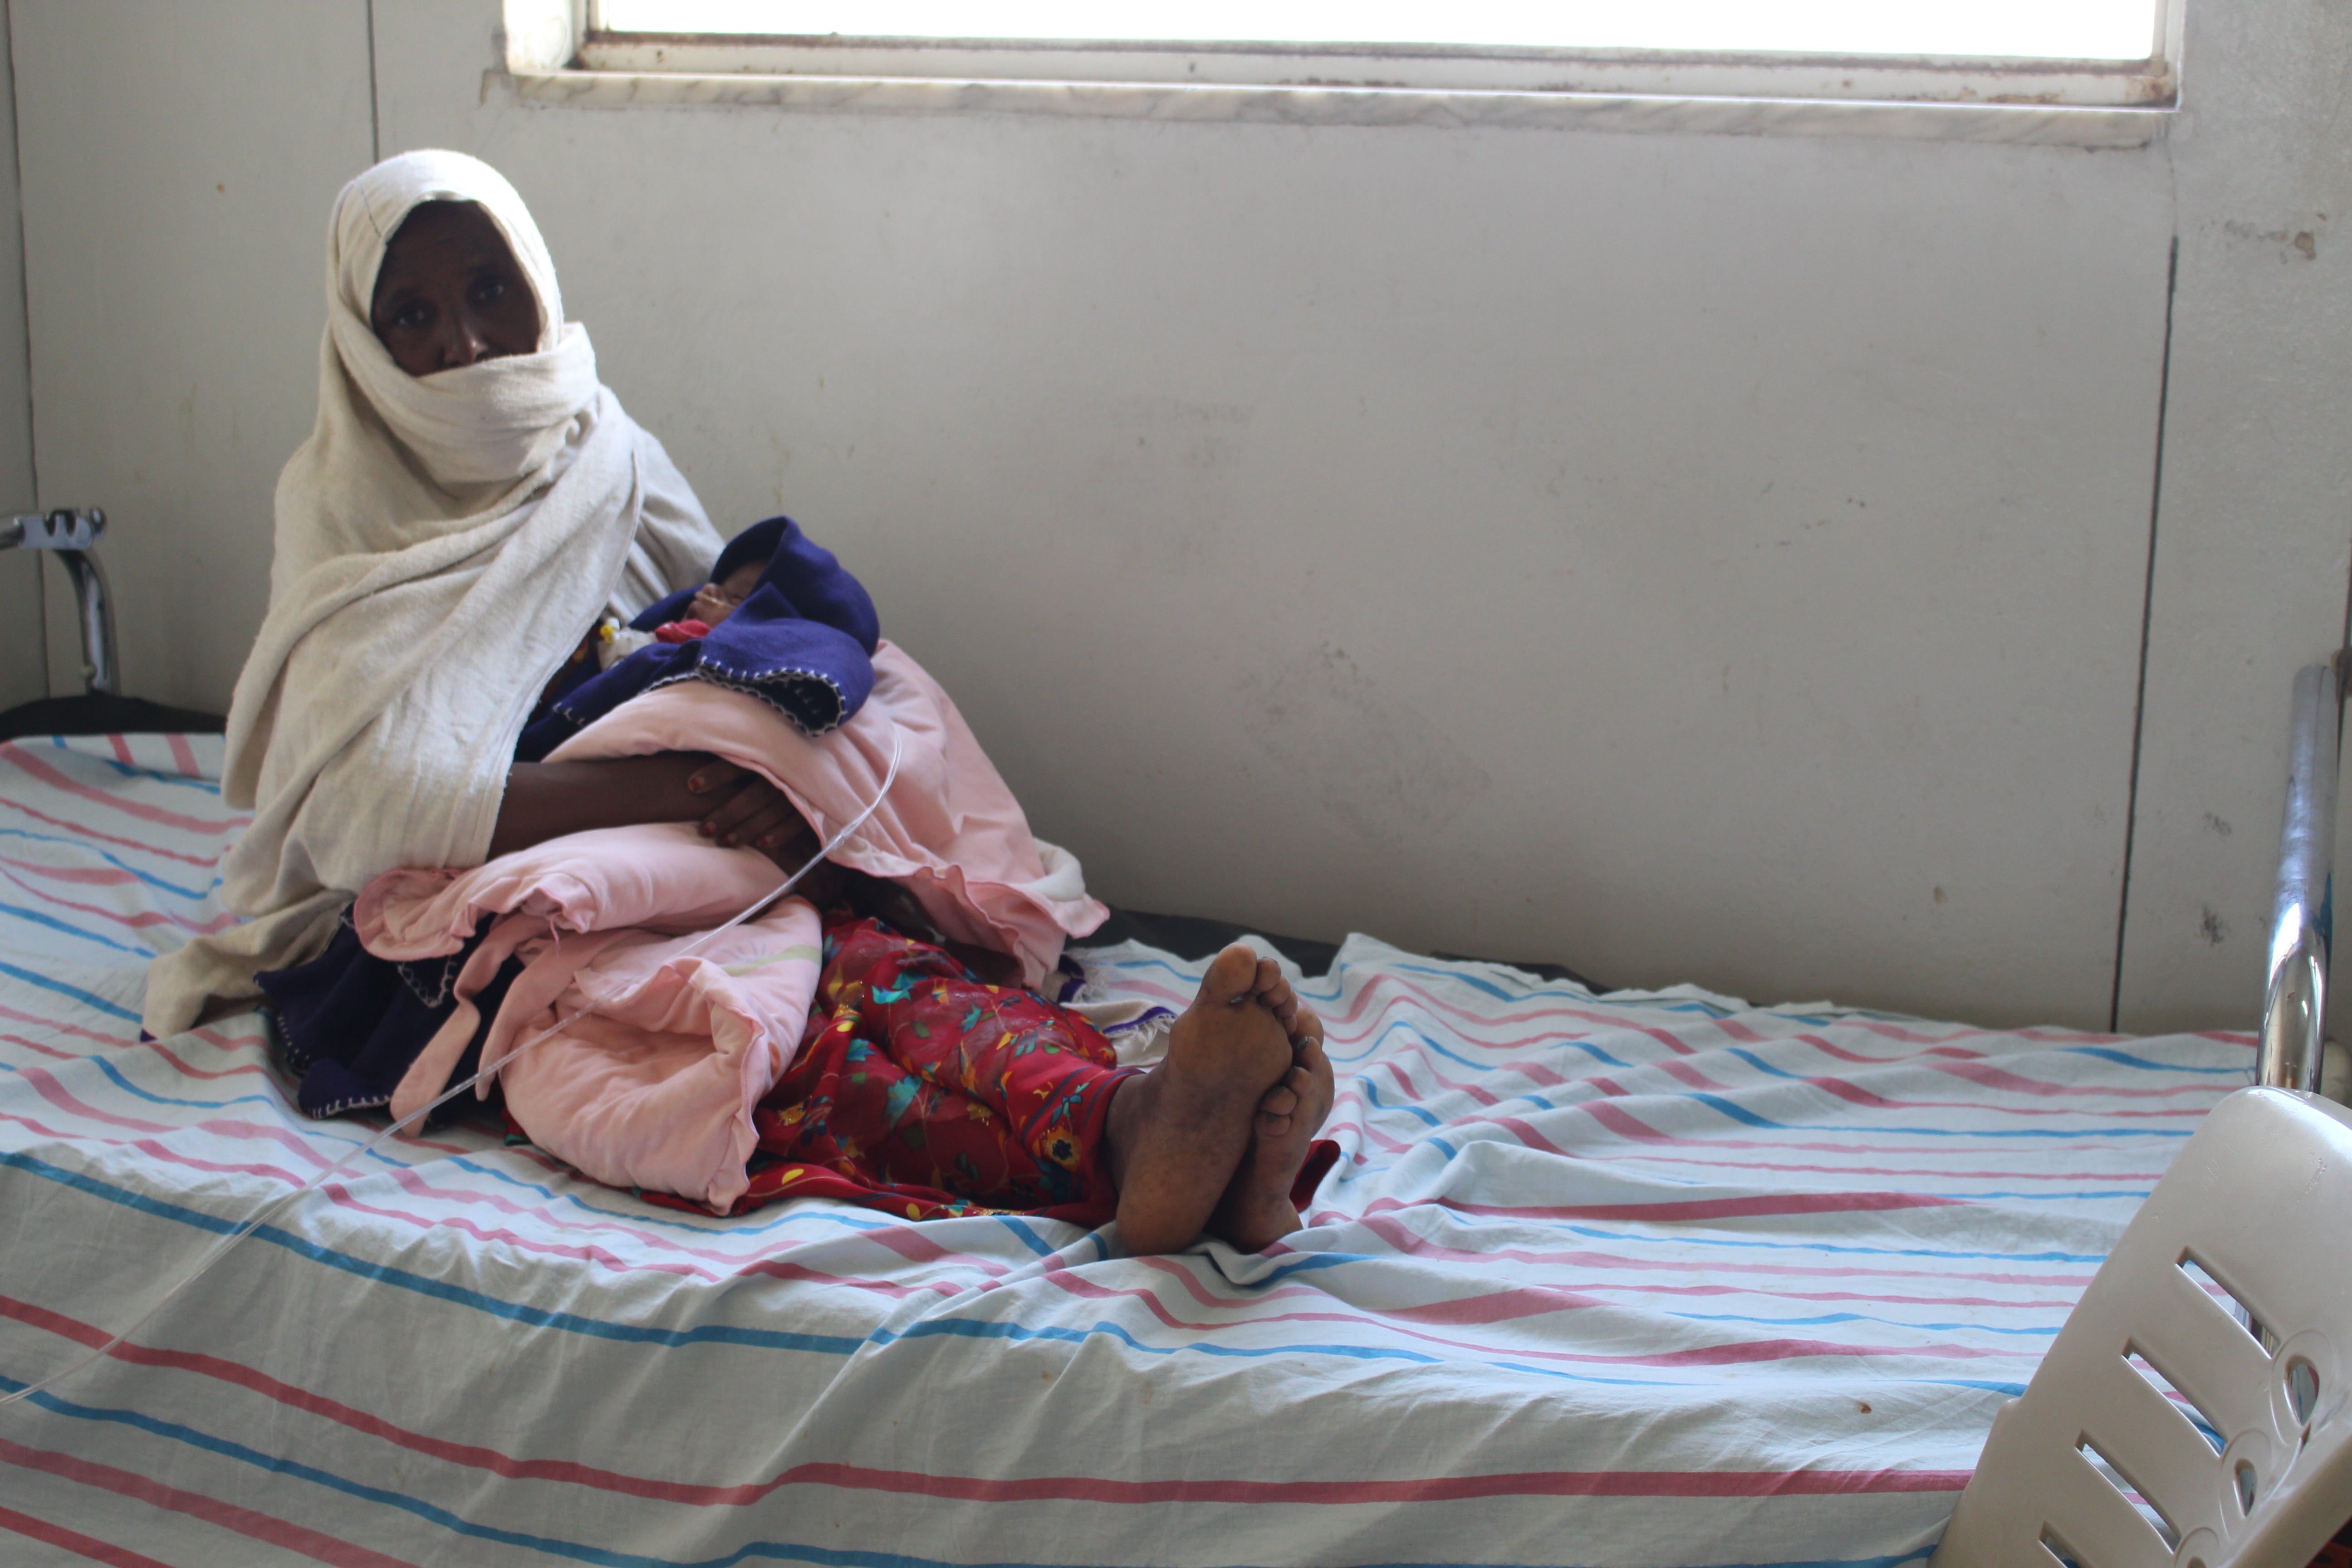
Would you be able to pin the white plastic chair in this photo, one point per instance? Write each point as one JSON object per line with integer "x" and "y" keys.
{"x": 2261, "y": 1201}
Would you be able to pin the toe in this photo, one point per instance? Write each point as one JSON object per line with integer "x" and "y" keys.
{"x": 1233, "y": 974}
{"x": 1279, "y": 1100}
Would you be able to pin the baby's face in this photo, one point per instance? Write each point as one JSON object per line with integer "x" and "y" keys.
{"x": 717, "y": 600}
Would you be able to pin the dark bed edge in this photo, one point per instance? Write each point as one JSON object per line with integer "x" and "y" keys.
{"x": 1192, "y": 937}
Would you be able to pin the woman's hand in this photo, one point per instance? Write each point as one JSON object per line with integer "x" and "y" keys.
{"x": 745, "y": 808}
{"x": 732, "y": 805}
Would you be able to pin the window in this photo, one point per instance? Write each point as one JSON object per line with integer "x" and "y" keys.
{"x": 2086, "y": 71}
{"x": 1991, "y": 30}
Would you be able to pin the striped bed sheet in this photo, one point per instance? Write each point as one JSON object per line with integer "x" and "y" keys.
{"x": 1633, "y": 1279}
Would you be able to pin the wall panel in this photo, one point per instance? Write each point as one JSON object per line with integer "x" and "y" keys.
{"x": 1710, "y": 558}
{"x": 1706, "y": 558}
{"x": 178, "y": 162}
{"x": 22, "y": 659}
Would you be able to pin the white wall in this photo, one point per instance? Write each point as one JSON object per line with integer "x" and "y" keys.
{"x": 1693, "y": 557}
{"x": 177, "y": 166}
{"x": 2255, "y": 534}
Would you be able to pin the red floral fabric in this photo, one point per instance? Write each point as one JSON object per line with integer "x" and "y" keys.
{"x": 923, "y": 1092}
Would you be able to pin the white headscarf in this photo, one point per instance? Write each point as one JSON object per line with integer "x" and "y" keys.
{"x": 442, "y": 543}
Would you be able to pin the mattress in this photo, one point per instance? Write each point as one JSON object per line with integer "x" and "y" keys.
{"x": 1635, "y": 1278}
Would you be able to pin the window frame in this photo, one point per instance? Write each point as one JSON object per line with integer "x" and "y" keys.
{"x": 557, "y": 53}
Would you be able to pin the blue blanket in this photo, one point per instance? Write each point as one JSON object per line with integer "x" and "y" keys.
{"x": 801, "y": 641}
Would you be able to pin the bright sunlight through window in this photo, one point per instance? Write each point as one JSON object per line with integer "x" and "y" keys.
{"x": 1976, "y": 29}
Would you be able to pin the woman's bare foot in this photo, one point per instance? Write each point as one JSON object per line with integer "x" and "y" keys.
{"x": 1255, "y": 1210}
{"x": 1178, "y": 1132}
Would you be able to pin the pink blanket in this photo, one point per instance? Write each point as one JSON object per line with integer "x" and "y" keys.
{"x": 661, "y": 1055}
{"x": 949, "y": 832}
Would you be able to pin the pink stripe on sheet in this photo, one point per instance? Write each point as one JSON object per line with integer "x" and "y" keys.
{"x": 75, "y": 1541}
{"x": 1992, "y": 1077}
{"x": 101, "y": 876}
{"x": 11, "y": 751}
{"x": 45, "y": 1051}
{"x": 184, "y": 754}
{"x": 728, "y": 1264}
{"x": 1862, "y": 1297}
{"x": 1680, "y": 1209}
{"x": 1345, "y": 1024}
{"x": 1629, "y": 1156}
{"x": 1407, "y": 1240}
{"x": 244, "y": 1521}
{"x": 123, "y": 750}
{"x": 1475, "y": 1310}
{"x": 472, "y": 1455}
{"x": 138, "y": 921}
{"x": 1434, "y": 1489}
{"x": 1191, "y": 1286}
{"x": 84, "y": 831}
{"x": 1711, "y": 1483}
{"x": 13, "y": 1016}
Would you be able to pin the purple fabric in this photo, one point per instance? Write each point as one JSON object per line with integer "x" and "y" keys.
{"x": 802, "y": 642}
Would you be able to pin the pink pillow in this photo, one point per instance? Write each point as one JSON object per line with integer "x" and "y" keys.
{"x": 656, "y": 1088}
{"x": 661, "y": 875}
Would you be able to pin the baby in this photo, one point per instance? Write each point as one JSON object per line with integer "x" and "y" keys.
{"x": 779, "y": 620}
{"x": 713, "y": 603}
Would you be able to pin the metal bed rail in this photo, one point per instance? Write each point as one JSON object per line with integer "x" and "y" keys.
{"x": 2294, "y": 1003}
{"x": 69, "y": 534}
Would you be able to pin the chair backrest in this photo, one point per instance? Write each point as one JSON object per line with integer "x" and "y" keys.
{"x": 2246, "y": 1458}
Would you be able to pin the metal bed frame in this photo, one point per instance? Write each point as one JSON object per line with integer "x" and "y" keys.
{"x": 2294, "y": 1003}
{"x": 70, "y": 534}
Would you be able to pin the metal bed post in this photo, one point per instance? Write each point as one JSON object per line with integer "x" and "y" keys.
{"x": 2294, "y": 1007}
{"x": 70, "y": 534}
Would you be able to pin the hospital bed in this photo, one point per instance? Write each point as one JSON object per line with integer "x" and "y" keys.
{"x": 1625, "y": 1278}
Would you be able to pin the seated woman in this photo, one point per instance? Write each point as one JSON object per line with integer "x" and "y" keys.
{"x": 470, "y": 505}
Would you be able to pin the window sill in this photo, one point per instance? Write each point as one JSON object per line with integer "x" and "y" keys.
{"x": 2023, "y": 123}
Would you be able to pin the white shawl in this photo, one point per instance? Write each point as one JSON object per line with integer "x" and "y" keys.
{"x": 442, "y": 544}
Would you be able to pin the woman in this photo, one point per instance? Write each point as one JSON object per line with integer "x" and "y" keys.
{"x": 470, "y": 504}
{"x": 470, "y": 485}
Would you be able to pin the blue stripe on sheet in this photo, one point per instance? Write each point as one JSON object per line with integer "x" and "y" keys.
{"x": 1027, "y": 1237}
{"x": 538, "y": 1317}
{"x": 1371, "y": 1094}
{"x": 1022, "y": 1333}
{"x": 1379, "y": 1043}
{"x": 1717, "y": 1240}
{"x": 2125, "y": 1058}
{"x": 124, "y": 1084}
{"x": 62, "y": 989}
{"x": 38, "y": 918}
{"x": 603, "y": 1557}
{"x": 2029, "y": 1332}
{"x": 727, "y": 1334}
{"x": 114, "y": 860}
{"x": 1748, "y": 1118}
{"x": 156, "y": 1099}
{"x": 175, "y": 1432}
{"x": 134, "y": 771}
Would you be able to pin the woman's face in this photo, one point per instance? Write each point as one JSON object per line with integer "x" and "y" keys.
{"x": 450, "y": 294}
